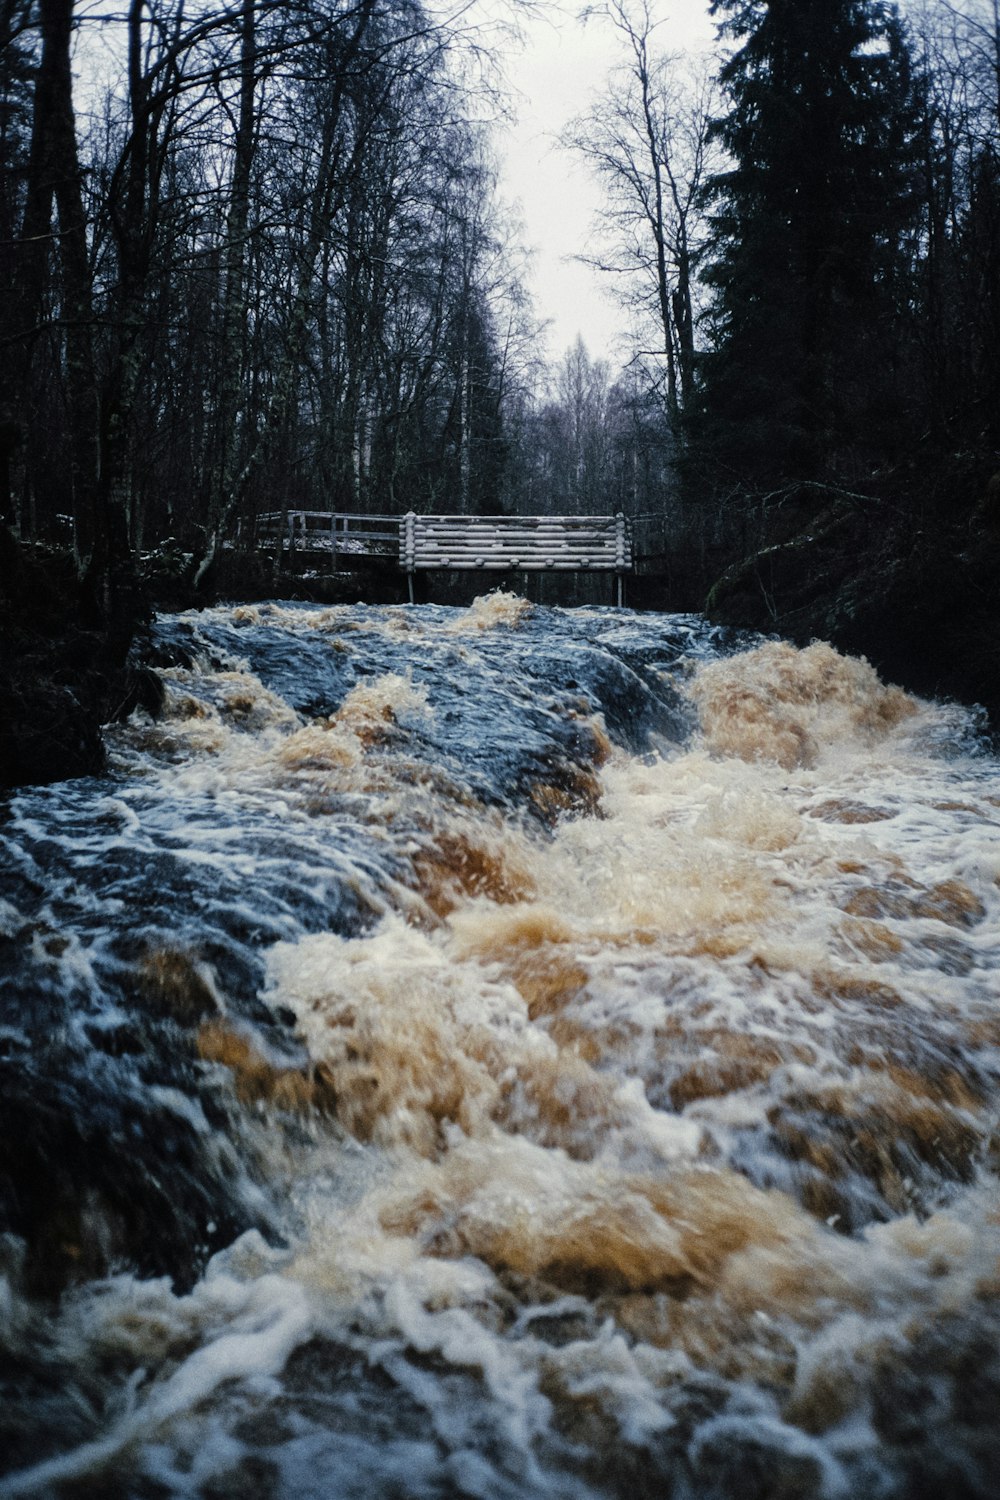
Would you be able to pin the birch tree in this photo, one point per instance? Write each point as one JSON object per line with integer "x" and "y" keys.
{"x": 647, "y": 140}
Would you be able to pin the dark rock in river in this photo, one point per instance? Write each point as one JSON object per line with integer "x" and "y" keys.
{"x": 91, "y": 1183}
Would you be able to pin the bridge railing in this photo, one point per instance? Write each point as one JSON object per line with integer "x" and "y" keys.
{"x": 337, "y": 532}
{"x": 526, "y": 542}
{"x": 488, "y": 543}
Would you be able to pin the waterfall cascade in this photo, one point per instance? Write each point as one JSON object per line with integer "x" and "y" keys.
{"x": 508, "y": 1052}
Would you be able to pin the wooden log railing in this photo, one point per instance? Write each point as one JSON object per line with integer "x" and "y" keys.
{"x": 473, "y": 543}
{"x": 531, "y": 543}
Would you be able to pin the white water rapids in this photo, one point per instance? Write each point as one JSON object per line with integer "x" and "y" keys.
{"x": 507, "y": 1053}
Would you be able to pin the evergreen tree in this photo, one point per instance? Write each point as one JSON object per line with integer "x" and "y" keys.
{"x": 810, "y": 224}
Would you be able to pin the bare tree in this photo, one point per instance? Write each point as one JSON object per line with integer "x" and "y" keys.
{"x": 267, "y": 267}
{"x": 957, "y": 263}
{"x": 647, "y": 140}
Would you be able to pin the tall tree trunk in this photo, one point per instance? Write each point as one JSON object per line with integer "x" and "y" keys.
{"x": 235, "y": 298}
{"x": 683, "y": 305}
{"x": 54, "y": 177}
{"x": 132, "y": 218}
{"x": 657, "y": 222}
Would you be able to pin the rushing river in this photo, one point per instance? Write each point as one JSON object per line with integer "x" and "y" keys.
{"x": 503, "y": 1053}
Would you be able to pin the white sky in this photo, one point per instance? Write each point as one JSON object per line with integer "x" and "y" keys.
{"x": 561, "y": 66}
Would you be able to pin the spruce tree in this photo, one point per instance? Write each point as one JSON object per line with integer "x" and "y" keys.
{"x": 810, "y": 220}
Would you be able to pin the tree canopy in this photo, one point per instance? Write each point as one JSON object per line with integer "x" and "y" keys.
{"x": 812, "y": 219}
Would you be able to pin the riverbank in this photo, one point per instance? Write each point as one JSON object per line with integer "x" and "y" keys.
{"x": 913, "y": 587}
{"x": 66, "y": 667}
{"x": 69, "y": 666}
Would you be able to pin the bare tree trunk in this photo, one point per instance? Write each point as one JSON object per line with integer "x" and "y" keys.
{"x": 464, "y": 415}
{"x": 683, "y": 305}
{"x": 133, "y": 219}
{"x": 235, "y": 298}
{"x": 54, "y": 177}
{"x": 639, "y": 41}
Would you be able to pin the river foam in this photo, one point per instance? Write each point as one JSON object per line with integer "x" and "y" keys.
{"x": 597, "y": 1016}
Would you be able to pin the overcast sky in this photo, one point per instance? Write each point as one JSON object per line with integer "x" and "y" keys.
{"x": 562, "y": 64}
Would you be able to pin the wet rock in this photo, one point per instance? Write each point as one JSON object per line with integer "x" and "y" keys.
{"x": 92, "y": 1182}
{"x": 936, "y": 1409}
{"x": 733, "y": 1462}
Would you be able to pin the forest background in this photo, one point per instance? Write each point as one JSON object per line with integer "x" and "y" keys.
{"x": 253, "y": 257}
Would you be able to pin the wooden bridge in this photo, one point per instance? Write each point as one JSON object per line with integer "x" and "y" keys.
{"x": 470, "y": 543}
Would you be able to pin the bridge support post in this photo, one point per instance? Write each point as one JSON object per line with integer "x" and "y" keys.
{"x": 620, "y": 556}
{"x": 408, "y": 547}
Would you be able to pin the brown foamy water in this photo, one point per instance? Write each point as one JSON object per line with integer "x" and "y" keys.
{"x": 640, "y": 1134}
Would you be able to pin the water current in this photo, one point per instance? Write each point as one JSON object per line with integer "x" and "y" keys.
{"x": 503, "y": 1052}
